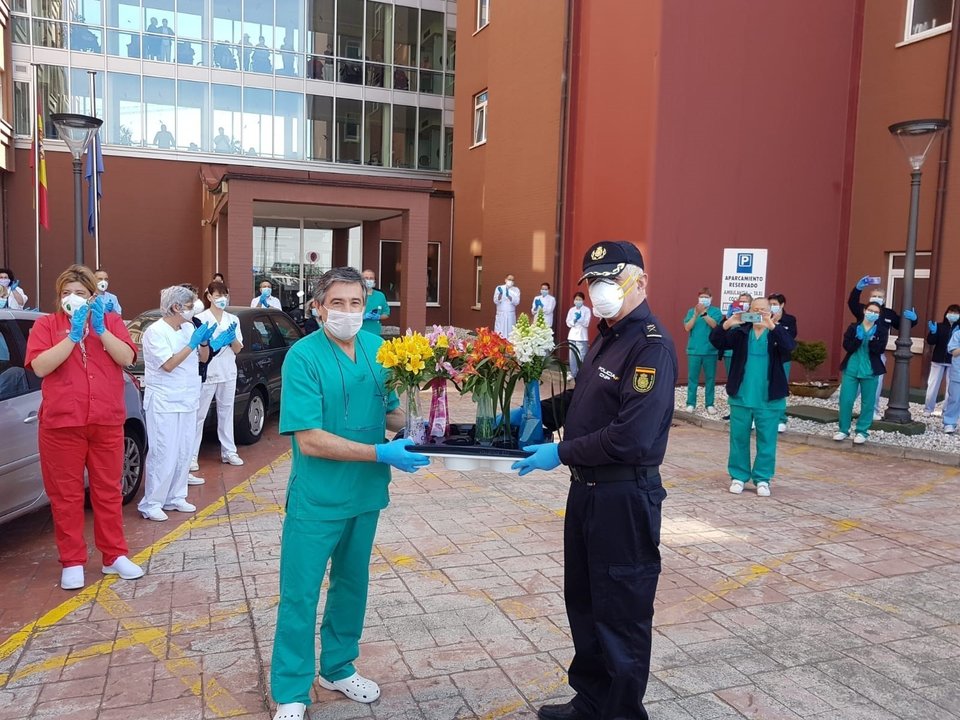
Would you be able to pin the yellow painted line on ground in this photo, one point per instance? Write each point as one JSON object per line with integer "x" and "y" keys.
{"x": 18, "y": 639}
{"x": 920, "y": 490}
{"x": 547, "y": 685}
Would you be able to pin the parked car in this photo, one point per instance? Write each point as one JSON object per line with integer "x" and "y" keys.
{"x": 267, "y": 335}
{"x": 21, "y": 484}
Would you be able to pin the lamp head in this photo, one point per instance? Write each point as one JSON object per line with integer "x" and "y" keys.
{"x": 916, "y": 137}
{"x": 76, "y": 130}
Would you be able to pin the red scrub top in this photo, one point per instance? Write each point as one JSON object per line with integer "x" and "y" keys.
{"x": 87, "y": 389}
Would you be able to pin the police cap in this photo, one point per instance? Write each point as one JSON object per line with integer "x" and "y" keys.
{"x": 608, "y": 258}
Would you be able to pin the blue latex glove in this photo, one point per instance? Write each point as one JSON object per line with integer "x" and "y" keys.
{"x": 577, "y": 315}
{"x": 932, "y": 325}
{"x": 109, "y": 307}
{"x": 264, "y": 294}
{"x": 860, "y": 333}
{"x": 545, "y": 457}
{"x": 537, "y": 303}
{"x": 863, "y": 282}
{"x": 97, "y": 310}
{"x": 910, "y": 315}
{"x": 77, "y": 322}
{"x": 14, "y": 285}
{"x": 225, "y": 338}
{"x": 395, "y": 454}
{"x": 201, "y": 335}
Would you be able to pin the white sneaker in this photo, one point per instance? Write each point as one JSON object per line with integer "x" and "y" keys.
{"x": 71, "y": 578}
{"x": 194, "y": 480}
{"x": 859, "y": 439}
{"x": 877, "y": 416}
{"x": 290, "y": 711}
{"x": 194, "y": 465}
{"x": 125, "y": 568}
{"x": 840, "y": 436}
{"x": 736, "y": 487}
{"x": 689, "y": 408}
{"x": 181, "y": 506}
{"x": 763, "y": 489}
{"x": 711, "y": 410}
{"x": 356, "y": 687}
{"x": 782, "y": 427}
{"x": 231, "y": 459}
{"x": 938, "y": 413}
{"x": 155, "y": 515}
{"x": 949, "y": 429}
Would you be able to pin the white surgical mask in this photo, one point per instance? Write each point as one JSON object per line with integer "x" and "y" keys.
{"x": 71, "y": 303}
{"x": 952, "y": 317}
{"x": 343, "y": 325}
{"x": 198, "y": 306}
{"x": 369, "y": 284}
{"x": 315, "y": 313}
{"x": 509, "y": 283}
{"x": 774, "y": 309}
{"x": 878, "y": 299}
{"x": 102, "y": 285}
{"x": 188, "y": 314}
{"x": 5, "y": 282}
{"x": 607, "y": 296}
{"x": 221, "y": 302}
{"x": 705, "y": 301}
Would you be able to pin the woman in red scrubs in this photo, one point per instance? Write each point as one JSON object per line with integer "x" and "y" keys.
{"x": 80, "y": 352}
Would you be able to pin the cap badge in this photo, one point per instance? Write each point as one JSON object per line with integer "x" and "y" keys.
{"x": 599, "y": 253}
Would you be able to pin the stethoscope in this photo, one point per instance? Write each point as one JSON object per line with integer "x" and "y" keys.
{"x": 381, "y": 390}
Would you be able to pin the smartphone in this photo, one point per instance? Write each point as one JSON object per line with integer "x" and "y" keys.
{"x": 751, "y": 317}
{"x": 874, "y": 279}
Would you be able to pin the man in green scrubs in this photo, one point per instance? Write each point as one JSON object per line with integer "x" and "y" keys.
{"x": 337, "y": 409}
{"x": 699, "y": 321}
{"x": 376, "y": 308}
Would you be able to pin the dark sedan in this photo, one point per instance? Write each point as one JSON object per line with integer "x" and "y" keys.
{"x": 267, "y": 335}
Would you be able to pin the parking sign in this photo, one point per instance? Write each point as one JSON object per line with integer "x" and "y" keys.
{"x": 744, "y": 271}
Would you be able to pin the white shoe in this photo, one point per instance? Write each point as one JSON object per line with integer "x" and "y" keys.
{"x": 71, "y": 578}
{"x": 290, "y": 711}
{"x": 938, "y": 413}
{"x": 231, "y": 459}
{"x": 125, "y": 568}
{"x": 782, "y": 427}
{"x": 927, "y": 413}
{"x": 763, "y": 489}
{"x": 736, "y": 487}
{"x": 840, "y": 436}
{"x": 877, "y": 417}
{"x": 356, "y": 687}
{"x": 859, "y": 439}
{"x": 155, "y": 515}
{"x": 194, "y": 480}
{"x": 194, "y": 465}
{"x": 949, "y": 429}
{"x": 181, "y": 506}
{"x": 688, "y": 408}
{"x": 711, "y": 410}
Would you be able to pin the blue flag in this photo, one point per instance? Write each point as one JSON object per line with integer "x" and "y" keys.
{"x": 93, "y": 150}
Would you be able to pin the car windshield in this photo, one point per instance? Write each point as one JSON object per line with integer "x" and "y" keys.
{"x": 138, "y": 326}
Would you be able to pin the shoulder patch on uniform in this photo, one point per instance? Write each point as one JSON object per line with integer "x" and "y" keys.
{"x": 652, "y": 331}
{"x": 644, "y": 379}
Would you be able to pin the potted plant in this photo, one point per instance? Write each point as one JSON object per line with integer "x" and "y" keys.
{"x": 810, "y": 356}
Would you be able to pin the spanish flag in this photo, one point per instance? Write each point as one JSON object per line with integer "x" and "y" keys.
{"x": 38, "y": 160}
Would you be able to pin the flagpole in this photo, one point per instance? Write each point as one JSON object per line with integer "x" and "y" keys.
{"x": 95, "y": 176}
{"x": 35, "y": 104}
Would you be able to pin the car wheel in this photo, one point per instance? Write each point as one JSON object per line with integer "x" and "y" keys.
{"x": 250, "y": 426}
{"x": 133, "y": 456}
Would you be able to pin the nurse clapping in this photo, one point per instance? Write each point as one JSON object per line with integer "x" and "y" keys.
{"x": 172, "y": 351}
{"x": 80, "y": 352}
{"x": 337, "y": 410}
{"x": 862, "y": 368}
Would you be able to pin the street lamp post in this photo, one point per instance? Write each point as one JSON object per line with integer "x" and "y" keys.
{"x": 76, "y": 131}
{"x": 916, "y": 137}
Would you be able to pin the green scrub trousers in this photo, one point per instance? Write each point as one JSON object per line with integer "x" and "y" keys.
{"x": 708, "y": 363}
{"x": 858, "y": 377}
{"x": 750, "y": 406}
{"x": 786, "y": 372}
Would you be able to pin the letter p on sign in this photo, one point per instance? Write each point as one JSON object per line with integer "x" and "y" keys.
{"x": 745, "y": 263}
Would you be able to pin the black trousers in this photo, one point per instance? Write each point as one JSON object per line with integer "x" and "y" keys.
{"x": 611, "y": 569}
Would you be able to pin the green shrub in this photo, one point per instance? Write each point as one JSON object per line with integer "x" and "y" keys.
{"x": 809, "y": 355}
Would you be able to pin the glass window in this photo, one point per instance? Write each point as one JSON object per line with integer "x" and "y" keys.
{"x": 431, "y": 40}
{"x": 226, "y": 119}
{"x": 405, "y": 36}
{"x": 319, "y": 127}
{"x": 21, "y": 30}
{"x": 47, "y": 33}
{"x": 379, "y": 43}
{"x": 926, "y": 16}
{"x": 22, "y": 114}
{"x": 14, "y": 379}
{"x": 288, "y": 331}
{"x": 320, "y": 68}
{"x": 159, "y": 104}
{"x": 288, "y": 126}
{"x": 54, "y": 93}
{"x": 317, "y": 242}
{"x": 431, "y": 137}
{"x": 55, "y": 9}
{"x": 122, "y": 43}
{"x": 320, "y": 27}
{"x": 80, "y": 93}
{"x": 404, "y": 136}
{"x": 376, "y": 134}
{"x": 21, "y": 6}
{"x": 404, "y": 79}
{"x": 348, "y": 130}
{"x": 350, "y": 29}
{"x": 88, "y": 11}
{"x": 227, "y": 28}
{"x": 158, "y": 19}
{"x": 390, "y": 274}
{"x": 349, "y": 71}
{"x": 124, "y": 14}
{"x": 193, "y": 53}
{"x": 483, "y": 14}
{"x": 450, "y": 64}
{"x": 448, "y": 149}
{"x": 192, "y": 19}
{"x": 431, "y": 82}
{"x": 477, "y": 280}
{"x": 124, "y": 109}
{"x": 193, "y": 116}
{"x": 258, "y": 35}
{"x": 480, "y": 118}
{"x": 289, "y": 23}
{"x": 433, "y": 273}
{"x": 257, "y": 122}
{"x": 84, "y": 38}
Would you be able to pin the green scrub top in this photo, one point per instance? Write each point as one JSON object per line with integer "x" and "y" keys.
{"x": 698, "y": 342}
{"x": 326, "y": 390}
{"x": 376, "y": 300}
{"x": 859, "y": 364}
{"x": 755, "y": 388}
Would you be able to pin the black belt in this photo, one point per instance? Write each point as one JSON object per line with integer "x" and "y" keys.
{"x": 610, "y": 473}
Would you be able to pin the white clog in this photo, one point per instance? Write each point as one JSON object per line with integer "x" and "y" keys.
{"x": 356, "y": 687}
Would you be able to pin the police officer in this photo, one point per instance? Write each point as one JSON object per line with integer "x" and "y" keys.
{"x": 615, "y": 437}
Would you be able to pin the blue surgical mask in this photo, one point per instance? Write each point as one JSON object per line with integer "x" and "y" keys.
{"x": 871, "y": 316}
{"x": 578, "y": 302}
{"x": 544, "y": 292}
{"x": 705, "y": 301}
{"x": 952, "y": 317}
{"x": 774, "y": 309}
{"x": 878, "y": 299}
{"x": 315, "y": 312}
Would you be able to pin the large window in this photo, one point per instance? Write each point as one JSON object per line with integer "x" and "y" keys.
{"x": 483, "y": 14}
{"x": 921, "y": 288}
{"x": 348, "y": 130}
{"x": 927, "y": 17}
{"x": 124, "y": 110}
{"x": 433, "y": 273}
{"x": 376, "y": 133}
{"x": 320, "y": 127}
{"x": 404, "y": 136}
{"x": 480, "y": 118}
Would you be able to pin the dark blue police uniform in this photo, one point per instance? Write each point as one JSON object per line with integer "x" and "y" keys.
{"x": 615, "y": 437}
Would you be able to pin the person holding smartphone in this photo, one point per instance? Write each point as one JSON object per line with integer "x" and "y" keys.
{"x": 756, "y": 389}
{"x": 862, "y": 369}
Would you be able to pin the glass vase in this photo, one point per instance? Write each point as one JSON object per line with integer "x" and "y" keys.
{"x": 416, "y": 428}
{"x": 439, "y": 410}
{"x": 531, "y": 423}
{"x": 486, "y": 424}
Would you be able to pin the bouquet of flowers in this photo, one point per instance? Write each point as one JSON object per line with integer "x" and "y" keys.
{"x": 533, "y": 344}
{"x": 447, "y": 364}
{"x": 409, "y": 358}
{"x": 490, "y": 373}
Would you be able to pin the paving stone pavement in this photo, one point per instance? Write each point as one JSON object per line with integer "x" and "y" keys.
{"x": 837, "y": 598}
